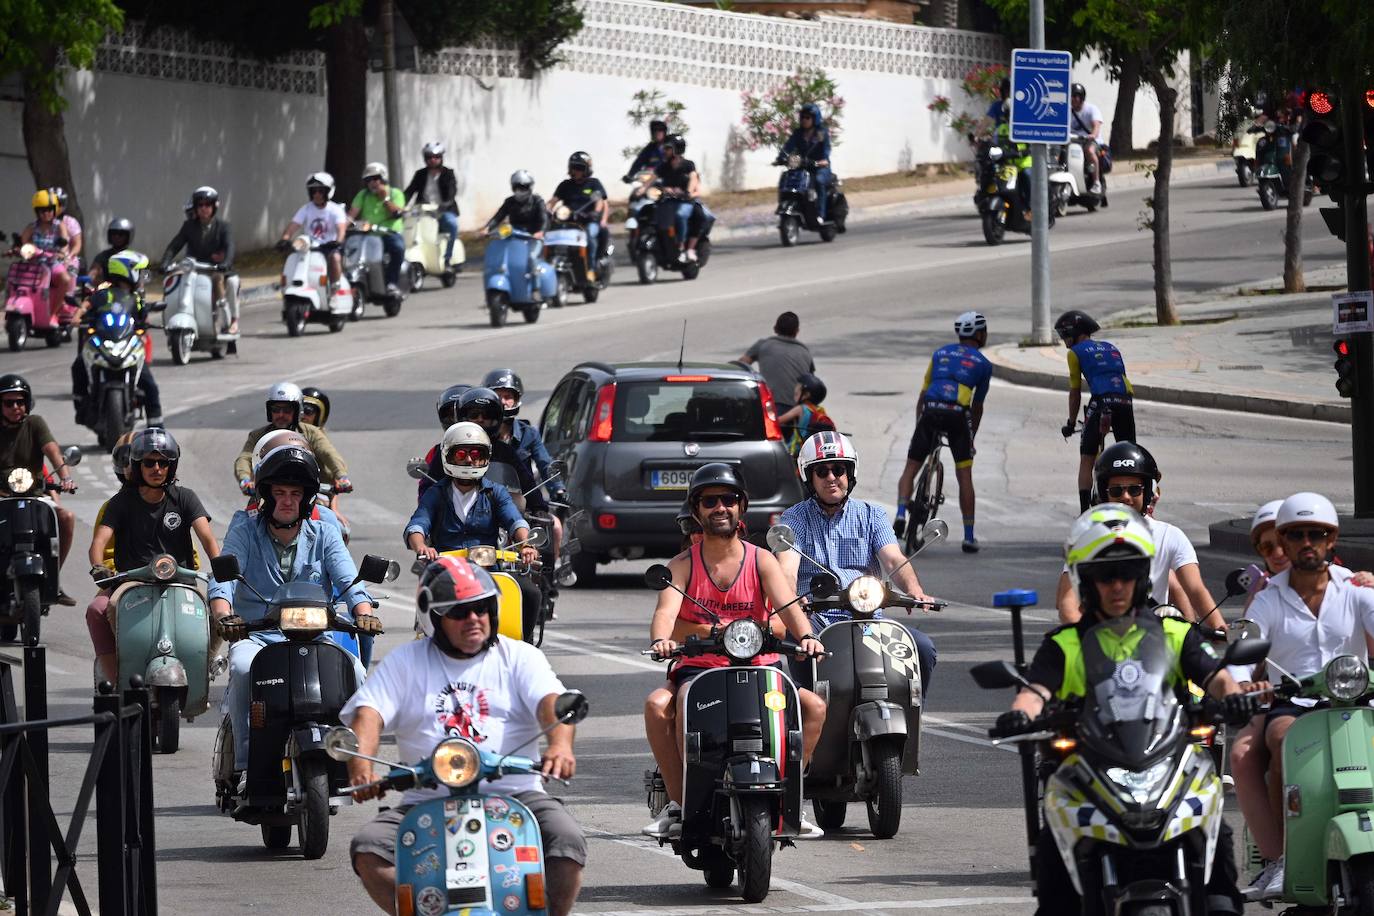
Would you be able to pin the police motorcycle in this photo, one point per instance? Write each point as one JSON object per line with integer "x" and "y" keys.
{"x": 162, "y": 634}
{"x": 192, "y": 322}
{"x": 364, "y": 263}
{"x": 1132, "y": 800}
{"x": 298, "y": 686}
{"x": 654, "y": 245}
{"x": 797, "y": 202}
{"x": 488, "y": 857}
{"x": 1004, "y": 208}
{"x": 1071, "y": 181}
{"x": 1274, "y": 163}
{"x": 871, "y": 682}
{"x": 28, "y": 551}
{"x": 742, "y": 784}
{"x": 308, "y": 295}
{"x": 425, "y": 247}
{"x": 113, "y": 353}
{"x": 565, "y": 247}
{"x": 512, "y": 279}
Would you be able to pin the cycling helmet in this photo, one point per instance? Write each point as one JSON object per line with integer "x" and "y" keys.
{"x": 44, "y": 199}
{"x": 812, "y": 385}
{"x": 120, "y": 456}
{"x": 286, "y": 393}
{"x": 121, "y": 224}
{"x": 1073, "y": 324}
{"x": 1078, "y": 92}
{"x": 127, "y": 265}
{"x": 153, "y": 441}
{"x": 205, "y": 195}
{"x": 506, "y": 378}
{"x": 288, "y": 465}
{"x": 11, "y": 383}
{"x": 826, "y": 446}
{"x": 322, "y": 181}
{"x": 1126, "y": 459}
{"x": 677, "y": 142}
{"x": 465, "y": 435}
{"x": 312, "y": 396}
{"x": 374, "y": 170}
{"x": 433, "y": 148}
{"x": 483, "y": 407}
{"x": 656, "y": 126}
{"x": 449, "y": 582}
{"x": 277, "y": 438}
{"x": 1108, "y": 534}
{"x": 716, "y": 474}
{"x": 969, "y": 323}
{"x": 580, "y": 160}
{"x": 1307, "y": 509}
{"x": 447, "y": 405}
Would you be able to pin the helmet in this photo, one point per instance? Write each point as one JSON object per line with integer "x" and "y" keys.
{"x": 506, "y": 378}
{"x": 120, "y": 456}
{"x": 521, "y": 180}
{"x": 285, "y": 393}
{"x": 465, "y": 435}
{"x": 153, "y": 441}
{"x": 1074, "y": 323}
{"x": 44, "y": 199}
{"x": 686, "y": 521}
{"x": 446, "y": 583}
{"x": 11, "y": 383}
{"x": 1307, "y": 509}
{"x": 433, "y": 148}
{"x": 320, "y": 400}
{"x": 481, "y": 406}
{"x": 812, "y": 385}
{"x": 127, "y": 265}
{"x": 580, "y": 160}
{"x": 677, "y": 142}
{"x": 277, "y": 438}
{"x": 447, "y": 405}
{"x": 826, "y": 446}
{"x": 716, "y": 474}
{"x": 1267, "y": 514}
{"x": 374, "y": 170}
{"x": 288, "y": 465}
{"x": 323, "y": 181}
{"x": 205, "y": 195}
{"x": 1108, "y": 533}
{"x": 1077, "y": 91}
{"x": 656, "y": 126}
{"x": 969, "y": 324}
{"x": 1126, "y": 459}
{"x": 121, "y": 224}
{"x": 60, "y": 195}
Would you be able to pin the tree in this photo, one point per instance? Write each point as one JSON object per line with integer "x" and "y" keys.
{"x": 41, "y": 41}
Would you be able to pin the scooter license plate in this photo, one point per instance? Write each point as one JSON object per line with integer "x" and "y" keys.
{"x": 669, "y": 480}
{"x": 573, "y": 238}
{"x": 1007, "y": 173}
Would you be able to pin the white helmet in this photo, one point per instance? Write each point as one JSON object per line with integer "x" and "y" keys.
{"x": 1307, "y": 509}
{"x": 320, "y": 180}
{"x": 970, "y": 323}
{"x": 374, "y": 169}
{"x": 521, "y": 178}
{"x": 433, "y": 148}
{"x": 826, "y": 446}
{"x": 285, "y": 393}
{"x": 277, "y": 438}
{"x": 1265, "y": 515}
{"x": 1107, "y": 533}
{"x": 472, "y": 436}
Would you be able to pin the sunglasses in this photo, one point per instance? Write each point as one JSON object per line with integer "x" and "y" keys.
{"x": 829, "y": 470}
{"x": 728, "y": 500}
{"x": 1121, "y": 571}
{"x": 1299, "y": 535}
{"x": 435, "y": 158}
{"x": 156, "y": 463}
{"x": 9, "y": 402}
{"x": 464, "y": 611}
{"x": 474, "y": 455}
{"x": 1132, "y": 489}
{"x": 310, "y": 411}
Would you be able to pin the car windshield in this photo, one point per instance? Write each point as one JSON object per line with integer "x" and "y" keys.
{"x": 668, "y": 411}
{"x": 1131, "y": 715}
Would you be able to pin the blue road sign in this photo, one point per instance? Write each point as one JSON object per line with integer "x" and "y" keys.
{"x": 1040, "y": 95}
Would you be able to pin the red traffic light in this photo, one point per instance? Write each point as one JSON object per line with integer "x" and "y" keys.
{"x": 1321, "y": 103}
{"x": 1341, "y": 347}
{"x": 1369, "y": 98}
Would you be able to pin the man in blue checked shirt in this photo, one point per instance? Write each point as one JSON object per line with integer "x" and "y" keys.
{"x": 851, "y": 537}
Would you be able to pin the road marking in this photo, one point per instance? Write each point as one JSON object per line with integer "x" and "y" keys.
{"x": 858, "y": 906}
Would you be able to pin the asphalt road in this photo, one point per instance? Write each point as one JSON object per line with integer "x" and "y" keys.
{"x": 873, "y": 305}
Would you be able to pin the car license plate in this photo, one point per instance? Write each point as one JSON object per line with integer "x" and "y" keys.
{"x": 573, "y": 238}
{"x": 669, "y": 480}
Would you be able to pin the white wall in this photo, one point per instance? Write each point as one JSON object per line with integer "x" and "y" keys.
{"x": 1102, "y": 90}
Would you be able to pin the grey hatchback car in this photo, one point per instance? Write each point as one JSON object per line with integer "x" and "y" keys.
{"x": 631, "y": 435}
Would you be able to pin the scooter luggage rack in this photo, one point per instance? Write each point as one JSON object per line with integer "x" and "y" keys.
{"x": 26, "y": 273}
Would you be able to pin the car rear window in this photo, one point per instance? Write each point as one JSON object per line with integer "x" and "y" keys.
{"x": 673, "y": 411}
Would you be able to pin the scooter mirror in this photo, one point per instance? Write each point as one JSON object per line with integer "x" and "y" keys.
{"x": 571, "y": 707}
{"x": 1236, "y": 583}
{"x": 340, "y": 743}
{"x": 417, "y": 468}
{"x": 538, "y": 537}
{"x": 781, "y": 538}
{"x": 378, "y": 569}
{"x": 557, "y": 466}
{"x": 225, "y": 567}
{"x": 657, "y": 577}
{"x": 72, "y": 455}
{"x": 1242, "y": 628}
{"x": 996, "y": 675}
{"x": 1245, "y": 652}
{"x": 822, "y": 586}
{"x": 567, "y": 577}
{"x": 937, "y": 529}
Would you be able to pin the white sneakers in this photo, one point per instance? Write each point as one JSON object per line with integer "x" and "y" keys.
{"x": 809, "y": 831}
{"x": 690, "y": 255}
{"x": 1268, "y": 884}
{"x": 668, "y": 822}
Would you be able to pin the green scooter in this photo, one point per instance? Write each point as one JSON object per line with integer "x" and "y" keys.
{"x": 162, "y": 634}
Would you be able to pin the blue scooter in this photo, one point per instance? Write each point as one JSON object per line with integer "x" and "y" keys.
{"x": 471, "y": 852}
{"x": 506, "y": 274}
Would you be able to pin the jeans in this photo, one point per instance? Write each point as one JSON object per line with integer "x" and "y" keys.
{"x": 594, "y": 240}
{"x": 824, "y": 178}
{"x": 703, "y": 219}
{"x": 395, "y": 246}
{"x": 448, "y": 222}
{"x": 682, "y": 215}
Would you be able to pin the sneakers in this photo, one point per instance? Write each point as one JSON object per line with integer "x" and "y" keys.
{"x": 392, "y": 289}
{"x": 1096, "y": 188}
{"x": 970, "y": 545}
{"x": 809, "y": 831}
{"x": 667, "y": 823}
{"x": 1268, "y": 883}
{"x": 690, "y": 256}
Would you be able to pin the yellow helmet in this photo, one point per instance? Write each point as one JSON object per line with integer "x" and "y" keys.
{"x": 44, "y": 199}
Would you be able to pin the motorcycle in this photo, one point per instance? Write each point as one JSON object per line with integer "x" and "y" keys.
{"x": 742, "y": 785}
{"x": 162, "y": 634}
{"x": 514, "y": 277}
{"x": 189, "y": 315}
{"x": 365, "y": 266}
{"x": 565, "y": 247}
{"x": 1071, "y": 181}
{"x": 984, "y": 173}
{"x": 870, "y": 680}
{"x": 1243, "y": 152}
{"x": 1005, "y": 209}
{"x": 32, "y": 306}
{"x": 797, "y": 202}
{"x": 655, "y": 244}
{"x": 307, "y": 295}
{"x": 1274, "y": 158}
{"x": 298, "y": 687}
{"x": 425, "y": 247}
{"x": 28, "y": 551}
{"x": 498, "y": 855}
{"x": 113, "y": 352}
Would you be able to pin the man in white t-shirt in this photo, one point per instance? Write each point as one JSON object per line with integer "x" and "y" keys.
{"x": 464, "y": 681}
{"x": 1085, "y": 122}
{"x": 323, "y": 220}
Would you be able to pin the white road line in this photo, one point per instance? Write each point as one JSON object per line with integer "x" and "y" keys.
{"x": 859, "y": 906}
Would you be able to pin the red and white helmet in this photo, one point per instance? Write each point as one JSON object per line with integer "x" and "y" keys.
{"x": 451, "y": 581}
{"x": 827, "y": 446}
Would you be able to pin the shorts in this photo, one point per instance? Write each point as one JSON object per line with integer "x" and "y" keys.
{"x": 957, "y": 425}
{"x": 562, "y": 836}
{"x": 1122, "y": 422}
{"x": 1281, "y": 709}
{"x": 680, "y": 675}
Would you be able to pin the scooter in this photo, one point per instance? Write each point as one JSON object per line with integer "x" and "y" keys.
{"x": 1005, "y": 209}
{"x": 189, "y": 314}
{"x": 742, "y": 784}
{"x": 307, "y": 295}
{"x": 298, "y": 686}
{"x": 425, "y": 247}
{"x": 162, "y": 634}
{"x": 30, "y": 308}
{"x": 656, "y": 245}
{"x": 642, "y": 195}
{"x": 1274, "y": 156}
{"x": 1243, "y": 152}
{"x": 489, "y": 857}
{"x": 565, "y": 246}
{"x": 365, "y": 265}
{"x": 1071, "y": 181}
{"x": 797, "y": 200}
{"x": 113, "y": 352}
{"x": 28, "y": 551}
{"x": 514, "y": 276}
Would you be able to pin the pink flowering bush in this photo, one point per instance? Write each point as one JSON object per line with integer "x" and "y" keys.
{"x": 770, "y": 117}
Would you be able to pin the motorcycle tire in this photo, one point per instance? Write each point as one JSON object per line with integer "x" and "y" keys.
{"x": 17, "y": 333}
{"x": 560, "y": 295}
{"x": 1268, "y": 193}
{"x": 359, "y": 303}
{"x": 276, "y": 836}
{"x": 691, "y": 270}
{"x": 993, "y": 230}
{"x": 1306, "y": 202}
{"x": 179, "y": 344}
{"x": 337, "y": 322}
{"x": 448, "y": 278}
{"x": 1061, "y": 201}
{"x": 1243, "y": 175}
{"x": 590, "y": 294}
{"x": 294, "y": 316}
{"x": 830, "y": 815}
{"x": 392, "y": 306}
{"x": 417, "y": 277}
{"x": 312, "y": 829}
{"x": 789, "y": 231}
{"x": 531, "y": 313}
{"x": 167, "y": 737}
{"x": 498, "y": 308}
{"x": 885, "y": 807}
{"x": 1361, "y": 869}
{"x": 755, "y": 856}
{"x": 828, "y": 232}
{"x": 54, "y": 338}
{"x": 114, "y": 421}
{"x": 647, "y": 268}
{"x": 30, "y": 612}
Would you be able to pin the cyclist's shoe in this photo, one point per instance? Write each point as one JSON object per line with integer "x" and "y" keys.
{"x": 970, "y": 545}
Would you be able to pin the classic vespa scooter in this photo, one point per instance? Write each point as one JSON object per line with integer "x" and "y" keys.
{"x": 425, "y": 247}
{"x": 28, "y": 551}
{"x": 192, "y": 322}
{"x": 513, "y": 279}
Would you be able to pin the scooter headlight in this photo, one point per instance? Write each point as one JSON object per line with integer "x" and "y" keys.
{"x": 794, "y": 161}
{"x": 995, "y": 153}
{"x": 300, "y": 244}
{"x": 1142, "y": 785}
{"x": 504, "y": 231}
{"x": 1347, "y": 678}
{"x": 303, "y": 621}
{"x": 743, "y": 640}
{"x": 865, "y": 594}
{"x": 456, "y": 763}
{"x": 164, "y": 568}
{"x": 19, "y": 480}
{"x": 563, "y": 213}
{"x": 482, "y": 556}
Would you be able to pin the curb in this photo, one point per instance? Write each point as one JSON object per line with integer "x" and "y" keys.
{"x": 1232, "y": 536}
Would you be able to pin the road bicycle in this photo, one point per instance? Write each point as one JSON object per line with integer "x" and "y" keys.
{"x": 928, "y": 494}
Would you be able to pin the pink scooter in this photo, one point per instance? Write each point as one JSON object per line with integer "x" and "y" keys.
{"x": 32, "y": 305}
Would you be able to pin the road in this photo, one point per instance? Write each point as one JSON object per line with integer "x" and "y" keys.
{"x": 872, "y": 305}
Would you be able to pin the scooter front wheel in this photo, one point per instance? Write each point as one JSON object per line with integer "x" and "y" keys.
{"x": 993, "y": 230}
{"x": 885, "y": 807}
{"x": 1361, "y": 870}
{"x": 30, "y": 612}
{"x": 789, "y": 231}
{"x": 294, "y": 316}
{"x": 498, "y": 308}
{"x": 647, "y": 268}
{"x": 312, "y": 830}
{"x": 755, "y": 857}
{"x": 168, "y": 721}
{"x": 180, "y": 343}
{"x": 17, "y": 333}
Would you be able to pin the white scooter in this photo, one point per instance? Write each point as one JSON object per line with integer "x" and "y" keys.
{"x": 425, "y": 246}
{"x": 306, "y": 293}
{"x": 190, "y": 318}
{"x": 1069, "y": 182}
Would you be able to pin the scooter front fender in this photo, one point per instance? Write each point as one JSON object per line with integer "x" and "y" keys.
{"x": 753, "y": 774}
{"x": 1064, "y": 178}
{"x": 877, "y": 718}
{"x": 165, "y": 671}
{"x": 1345, "y": 838}
{"x": 309, "y": 739}
{"x": 499, "y": 282}
{"x": 181, "y": 321}
{"x": 547, "y": 279}
{"x": 25, "y": 564}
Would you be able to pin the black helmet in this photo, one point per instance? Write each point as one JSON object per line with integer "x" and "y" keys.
{"x": 581, "y": 160}
{"x": 1074, "y": 323}
{"x": 716, "y": 474}
{"x": 1078, "y": 92}
{"x": 153, "y": 441}
{"x": 506, "y": 378}
{"x": 447, "y": 405}
{"x": 314, "y": 397}
{"x": 482, "y": 406}
{"x": 1126, "y": 459}
{"x": 122, "y": 224}
{"x": 10, "y": 383}
{"x": 288, "y": 465}
{"x": 656, "y": 126}
{"x": 677, "y": 142}
{"x": 205, "y": 195}
{"x": 686, "y": 520}
{"x": 812, "y": 385}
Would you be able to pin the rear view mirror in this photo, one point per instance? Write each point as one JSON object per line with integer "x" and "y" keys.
{"x": 225, "y": 567}
{"x": 657, "y": 577}
{"x": 996, "y": 675}
{"x": 822, "y": 586}
{"x": 557, "y": 466}
{"x": 538, "y": 537}
{"x": 1242, "y": 628}
{"x": 72, "y": 455}
{"x": 571, "y": 707}
{"x": 417, "y": 468}
{"x": 1245, "y": 652}
{"x": 781, "y": 538}
{"x": 378, "y": 569}
{"x": 1237, "y": 583}
{"x": 340, "y": 743}
{"x": 934, "y": 530}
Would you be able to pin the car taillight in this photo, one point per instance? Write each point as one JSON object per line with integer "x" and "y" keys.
{"x": 601, "y": 416}
{"x": 606, "y": 521}
{"x": 771, "y": 429}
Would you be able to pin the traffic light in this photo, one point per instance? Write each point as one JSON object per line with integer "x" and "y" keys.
{"x": 1322, "y": 131}
{"x": 1345, "y": 367}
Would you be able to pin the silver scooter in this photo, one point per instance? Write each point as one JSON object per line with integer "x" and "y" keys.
{"x": 192, "y": 321}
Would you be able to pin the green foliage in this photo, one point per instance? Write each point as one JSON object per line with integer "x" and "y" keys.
{"x": 652, "y": 105}
{"x": 769, "y": 118}
{"x": 982, "y": 84}
{"x": 34, "y": 30}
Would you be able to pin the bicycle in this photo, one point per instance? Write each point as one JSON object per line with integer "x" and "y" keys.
{"x": 928, "y": 494}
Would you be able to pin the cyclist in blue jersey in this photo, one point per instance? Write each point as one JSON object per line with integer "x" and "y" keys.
{"x": 1109, "y": 405}
{"x": 950, "y": 402}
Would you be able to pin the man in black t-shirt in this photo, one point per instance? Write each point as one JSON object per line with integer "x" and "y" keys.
{"x": 682, "y": 183}
{"x": 586, "y": 197}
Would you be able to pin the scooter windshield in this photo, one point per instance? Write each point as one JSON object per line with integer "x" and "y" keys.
{"x": 301, "y": 591}
{"x": 1131, "y": 716}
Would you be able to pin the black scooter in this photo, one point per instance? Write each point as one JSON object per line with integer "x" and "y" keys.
{"x": 28, "y": 551}
{"x": 298, "y": 687}
{"x": 654, "y": 242}
{"x": 1006, "y": 204}
{"x": 797, "y": 199}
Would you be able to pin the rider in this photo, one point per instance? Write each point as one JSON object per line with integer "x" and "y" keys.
{"x": 25, "y": 441}
{"x": 1100, "y": 363}
{"x": 811, "y": 140}
{"x": 314, "y": 406}
{"x": 682, "y": 183}
{"x": 324, "y": 220}
{"x": 382, "y": 208}
{"x": 851, "y": 537}
{"x": 447, "y": 408}
{"x": 206, "y": 237}
{"x": 285, "y": 404}
{"x": 119, "y": 235}
{"x": 465, "y": 681}
{"x": 1109, "y": 552}
{"x": 279, "y": 544}
{"x": 121, "y": 290}
{"x": 1264, "y": 537}
{"x": 524, "y": 209}
{"x": 488, "y": 410}
{"x": 437, "y": 184}
{"x": 75, "y": 236}
{"x": 49, "y": 234}
{"x": 807, "y": 416}
{"x": 577, "y": 191}
{"x": 950, "y": 402}
{"x": 529, "y": 449}
{"x": 1085, "y": 124}
{"x": 755, "y": 581}
{"x": 652, "y": 153}
{"x": 151, "y": 516}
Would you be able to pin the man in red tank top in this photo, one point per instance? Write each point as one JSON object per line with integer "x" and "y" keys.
{"x": 735, "y": 580}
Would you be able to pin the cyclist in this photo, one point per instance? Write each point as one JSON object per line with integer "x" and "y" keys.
{"x": 1110, "y": 404}
{"x": 950, "y": 402}
{"x": 808, "y": 416}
